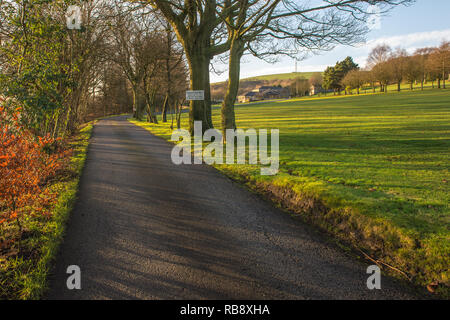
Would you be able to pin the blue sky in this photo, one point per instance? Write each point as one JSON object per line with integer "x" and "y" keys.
{"x": 426, "y": 23}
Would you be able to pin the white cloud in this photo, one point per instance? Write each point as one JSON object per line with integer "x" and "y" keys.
{"x": 410, "y": 42}
{"x": 416, "y": 40}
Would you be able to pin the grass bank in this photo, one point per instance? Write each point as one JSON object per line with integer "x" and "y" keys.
{"x": 371, "y": 170}
{"x": 24, "y": 276}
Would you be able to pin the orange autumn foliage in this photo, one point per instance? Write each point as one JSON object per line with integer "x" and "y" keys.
{"x": 25, "y": 167}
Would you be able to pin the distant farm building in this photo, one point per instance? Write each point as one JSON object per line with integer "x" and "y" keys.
{"x": 264, "y": 93}
{"x": 249, "y": 97}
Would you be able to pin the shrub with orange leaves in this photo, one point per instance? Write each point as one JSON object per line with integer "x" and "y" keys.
{"x": 25, "y": 167}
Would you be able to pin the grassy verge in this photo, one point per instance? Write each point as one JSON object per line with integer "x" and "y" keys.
{"x": 24, "y": 276}
{"x": 371, "y": 170}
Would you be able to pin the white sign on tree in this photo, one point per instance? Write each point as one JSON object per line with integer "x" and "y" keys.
{"x": 195, "y": 95}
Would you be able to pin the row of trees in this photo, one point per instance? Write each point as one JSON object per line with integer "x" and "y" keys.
{"x": 142, "y": 50}
{"x": 145, "y": 48}
{"x": 264, "y": 28}
{"x": 387, "y": 67}
{"x": 301, "y": 87}
{"x": 123, "y": 55}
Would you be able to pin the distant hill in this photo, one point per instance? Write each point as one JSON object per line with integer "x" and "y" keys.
{"x": 282, "y": 76}
{"x": 283, "y": 79}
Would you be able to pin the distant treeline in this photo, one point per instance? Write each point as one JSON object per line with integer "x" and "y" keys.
{"x": 124, "y": 57}
{"x": 391, "y": 67}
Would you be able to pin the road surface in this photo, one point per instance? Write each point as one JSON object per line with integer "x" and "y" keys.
{"x": 144, "y": 228}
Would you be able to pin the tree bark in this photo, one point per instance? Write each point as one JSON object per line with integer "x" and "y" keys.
{"x": 228, "y": 114}
{"x": 150, "y": 99}
{"x": 443, "y": 74}
{"x": 135, "y": 104}
{"x": 199, "y": 71}
{"x": 165, "y": 107}
{"x": 194, "y": 29}
{"x": 179, "y": 107}
{"x": 169, "y": 73}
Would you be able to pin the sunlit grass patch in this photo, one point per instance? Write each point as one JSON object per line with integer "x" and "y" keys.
{"x": 376, "y": 166}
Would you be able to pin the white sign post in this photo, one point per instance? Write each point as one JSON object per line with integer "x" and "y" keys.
{"x": 195, "y": 95}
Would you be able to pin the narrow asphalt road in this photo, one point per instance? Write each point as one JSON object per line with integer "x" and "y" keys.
{"x": 144, "y": 228}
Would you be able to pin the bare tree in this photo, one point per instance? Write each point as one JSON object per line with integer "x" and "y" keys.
{"x": 383, "y": 75}
{"x": 379, "y": 54}
{"x": 151, "y": 63}
{"x": 377, "y": 62}
{"x": 292, "y": 25}
{"x": 439, "y": 63}
{"x": 194, "y": 23}
{"x": 300, "y": 87}
{"x": 397, "y": 65}
{"x": 421, "y": 58}
{"x": 355, "y": 79}
{"x": 130, "y": 29}
{"x": 274, "y": 27}
{"x": 413, "y": 70}
{"x": 245, "y": 20}
{"x": 316, "y": 79}
{"x": 175, "y": 72}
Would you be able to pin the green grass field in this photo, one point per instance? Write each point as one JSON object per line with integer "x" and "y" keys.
{"x": 379, "y": 163}
{"x": 397, "y": 144}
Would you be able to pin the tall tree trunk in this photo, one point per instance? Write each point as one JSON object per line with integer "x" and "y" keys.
{"x": 135, "y": 103}
{"x": 443, "y": 75}
{"x": 179, "y": 107}
{"x": 169, "y": 72}
{"x": 150, "y": 100}
{"x": 228, "y": 115}
{"x": 149, "y": 111}
{"x": 199, "y": 71}
{"x": 165, "y": 107}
